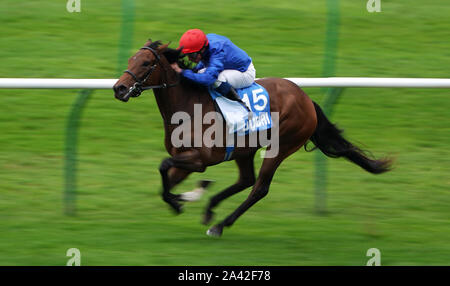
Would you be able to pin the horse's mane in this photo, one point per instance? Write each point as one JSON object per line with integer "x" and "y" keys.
{"x": 172, "y": 56}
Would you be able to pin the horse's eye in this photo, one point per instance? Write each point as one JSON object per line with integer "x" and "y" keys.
{"x": 146, "y": 63}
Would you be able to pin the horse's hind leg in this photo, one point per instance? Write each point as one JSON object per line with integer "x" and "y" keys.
{"x": 261, "y": 187}
{"x": 246, "y": 179}
{"x": 259, "y": 191}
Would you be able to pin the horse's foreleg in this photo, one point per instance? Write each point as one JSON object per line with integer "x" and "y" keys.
{"x": 167, "y": 196}
{"x": 173, "y": 170}
{"x": 246, "y": 179}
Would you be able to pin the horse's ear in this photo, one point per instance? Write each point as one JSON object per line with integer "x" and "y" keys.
{"x": 163, "y": 48}
{"x": 148, "y": 43}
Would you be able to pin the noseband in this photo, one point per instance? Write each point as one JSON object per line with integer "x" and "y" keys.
{"x": 138, "y": 87}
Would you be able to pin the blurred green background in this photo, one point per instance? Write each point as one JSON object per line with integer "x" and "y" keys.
{"x": 121, "y": 218}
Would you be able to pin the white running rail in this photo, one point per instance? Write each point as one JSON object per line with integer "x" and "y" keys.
{"x": 59, "y": 83}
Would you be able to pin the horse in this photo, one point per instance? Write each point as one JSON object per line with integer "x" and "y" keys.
{"x": 300, "y": 120}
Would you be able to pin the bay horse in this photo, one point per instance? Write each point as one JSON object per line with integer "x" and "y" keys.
{"x": 300, "y": 120}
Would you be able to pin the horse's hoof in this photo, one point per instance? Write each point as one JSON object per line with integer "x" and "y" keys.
{"x": 172, "y": 200}
{"x": 176, "y": 207}
{"x": 215, "y": 231}
{"x": 207, "y": 217}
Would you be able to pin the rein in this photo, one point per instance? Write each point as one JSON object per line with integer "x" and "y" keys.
{"x": 138, "y": 86}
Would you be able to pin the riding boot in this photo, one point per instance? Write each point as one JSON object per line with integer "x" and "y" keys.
{"x": 229, "y": 92}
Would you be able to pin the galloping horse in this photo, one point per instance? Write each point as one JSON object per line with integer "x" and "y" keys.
{"x": 300, "y": 120}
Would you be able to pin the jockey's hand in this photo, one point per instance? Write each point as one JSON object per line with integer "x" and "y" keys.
{"x": 176, "y": 68}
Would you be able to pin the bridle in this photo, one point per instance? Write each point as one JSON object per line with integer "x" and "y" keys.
{"x": 138, "y": 87}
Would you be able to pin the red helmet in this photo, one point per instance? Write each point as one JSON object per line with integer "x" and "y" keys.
{"x": 193, "y": 41}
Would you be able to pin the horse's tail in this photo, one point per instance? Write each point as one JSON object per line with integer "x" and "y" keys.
{"x": 327, "y": 137}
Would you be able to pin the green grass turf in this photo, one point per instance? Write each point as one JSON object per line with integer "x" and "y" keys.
{"x": 122, "y": 220}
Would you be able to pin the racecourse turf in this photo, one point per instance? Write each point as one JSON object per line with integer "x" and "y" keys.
{"x": 121, "y": 219}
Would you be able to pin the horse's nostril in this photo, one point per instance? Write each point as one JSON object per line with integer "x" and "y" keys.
{"x": 120, "y": 88}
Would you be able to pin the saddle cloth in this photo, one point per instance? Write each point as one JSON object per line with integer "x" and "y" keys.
{"x": 237, "y": 117}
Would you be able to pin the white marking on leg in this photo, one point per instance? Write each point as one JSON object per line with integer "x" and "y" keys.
{"x": 193, "y": 196}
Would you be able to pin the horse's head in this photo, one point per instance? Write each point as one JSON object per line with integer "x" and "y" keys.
{"x": 144, "y": 72}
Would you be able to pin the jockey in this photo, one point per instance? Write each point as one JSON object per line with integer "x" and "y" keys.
{"x": 220, "y": 63}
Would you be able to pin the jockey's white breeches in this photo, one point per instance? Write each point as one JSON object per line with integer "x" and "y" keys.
{"x": 236, "y": 78}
